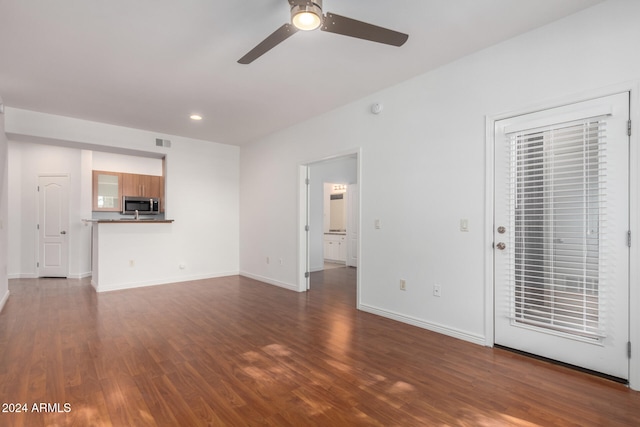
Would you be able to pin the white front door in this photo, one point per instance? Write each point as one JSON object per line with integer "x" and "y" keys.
{"x": 561, "y": 225}
{"x": 53, "y": 226}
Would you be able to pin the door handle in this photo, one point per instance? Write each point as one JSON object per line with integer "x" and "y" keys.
{"x": 63, "y": 232}
{"x": 501, "y": 246}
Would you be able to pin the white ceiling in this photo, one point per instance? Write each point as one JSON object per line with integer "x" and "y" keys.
{"x": 149, "y": 64}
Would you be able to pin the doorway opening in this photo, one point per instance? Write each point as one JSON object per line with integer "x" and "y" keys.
{"x": 329, "y": 217}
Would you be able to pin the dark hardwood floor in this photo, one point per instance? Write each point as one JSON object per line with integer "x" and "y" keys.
{"x": 237, "y": 352}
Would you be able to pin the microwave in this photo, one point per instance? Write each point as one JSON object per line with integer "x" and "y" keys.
{"x": 144, "y": 205}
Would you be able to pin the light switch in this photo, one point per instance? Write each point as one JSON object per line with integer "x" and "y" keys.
{"x": 464, "y": 224}
{"x": 376, "y": 224}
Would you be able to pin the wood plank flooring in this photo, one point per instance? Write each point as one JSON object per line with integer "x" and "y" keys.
{"x": 237, "y": 352}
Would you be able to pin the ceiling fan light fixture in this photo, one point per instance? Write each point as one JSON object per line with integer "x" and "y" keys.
{"x": 307, "y": 16}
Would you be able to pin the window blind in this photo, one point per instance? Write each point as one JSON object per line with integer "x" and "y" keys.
{"x": 557, "y": 197}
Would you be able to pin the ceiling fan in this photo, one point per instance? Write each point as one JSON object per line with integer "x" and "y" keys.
{"x": 306, "y": 15}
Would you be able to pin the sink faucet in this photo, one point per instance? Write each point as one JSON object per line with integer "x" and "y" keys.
{"x": 137, "y": 215}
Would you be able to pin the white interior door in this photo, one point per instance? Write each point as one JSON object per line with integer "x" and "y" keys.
{"x": 53, "y": 193}
{"x": 561, "y": 227}
{"x": 353, "y": 197}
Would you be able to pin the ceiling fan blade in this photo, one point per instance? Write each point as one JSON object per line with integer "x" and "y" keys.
{"x": 350, "y": 27}
{"x": 277, "y": 37}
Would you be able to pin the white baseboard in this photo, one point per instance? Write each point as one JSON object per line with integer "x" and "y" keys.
{"x": 441, "y": 329}
{"x": 132, "y": 285}
{"x": 80, "y": 276}
{"x": 22, "y": 276}
{"x": 291, "y": 287}
{"x": 35, "y": 275}
{"x": 4, "y": 300}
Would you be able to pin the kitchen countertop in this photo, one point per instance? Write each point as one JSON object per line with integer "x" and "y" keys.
{"x": 129, "y": 221}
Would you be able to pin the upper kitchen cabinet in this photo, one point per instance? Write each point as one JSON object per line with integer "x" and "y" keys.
{"x": 107, "y": 191}
{"x": 142, "y": 185}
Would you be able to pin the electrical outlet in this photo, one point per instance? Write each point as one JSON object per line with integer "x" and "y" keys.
{"x": 403, "y": 285}
{"x": 437, "y": 291}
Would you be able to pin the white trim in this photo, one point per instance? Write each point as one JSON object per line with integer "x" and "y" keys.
{"x": 4, "y": 300}
{"x": 435, "y": 327}
{"x": 22, "y": 276}
{"x": 79, "y": 275}
{"x": 289, "y": 286}
{"x": 488, "y": 230}
{"x": 35, "y": 275}
{"x": 303, "y": 209}
{"x": 634, "y": 209}
{"x": 634, "y": 253}
{"x": 133, "y": 285}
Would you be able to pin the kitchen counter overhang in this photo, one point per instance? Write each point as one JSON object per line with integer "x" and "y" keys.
{"x": 129, "y": 221}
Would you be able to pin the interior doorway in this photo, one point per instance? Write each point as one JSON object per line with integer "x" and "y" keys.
{"x": 339, "y": 226}
{"x": 315, "y": 215}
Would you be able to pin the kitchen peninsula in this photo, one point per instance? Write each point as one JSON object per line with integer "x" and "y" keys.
{"x": 130, "y": 253}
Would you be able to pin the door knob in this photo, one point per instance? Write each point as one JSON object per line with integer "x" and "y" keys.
{"x": 63, "y": 232}
{"x": 501, "y": 246}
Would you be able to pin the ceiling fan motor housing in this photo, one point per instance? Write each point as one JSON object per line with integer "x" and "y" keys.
{"x": 303, "y": 7}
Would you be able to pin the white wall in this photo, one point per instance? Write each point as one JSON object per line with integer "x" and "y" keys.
{"x": 423, "y": 167}
{"x": 115, "y": 162}
{"x": 342, "y": 170}
{"x": 26, "y": 163}
{"x": 201, "y": 189}
{"x": 4, "y": 178}
{"x": 131, "y": 255}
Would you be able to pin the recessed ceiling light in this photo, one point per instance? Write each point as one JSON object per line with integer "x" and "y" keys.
{"x": 195, "y": 117}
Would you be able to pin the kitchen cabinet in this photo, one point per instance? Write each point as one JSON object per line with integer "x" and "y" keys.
{"x": 142, "y": 185}
{"x": 107, "y": 191}
{"x": 335, "y": 247}
{"x": 109, "y": 187}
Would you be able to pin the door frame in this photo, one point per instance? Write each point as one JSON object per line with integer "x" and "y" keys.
{"x": 634, "y": 210}
{"x": 352, "y": 205}
{"x": 303, "y": 215}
